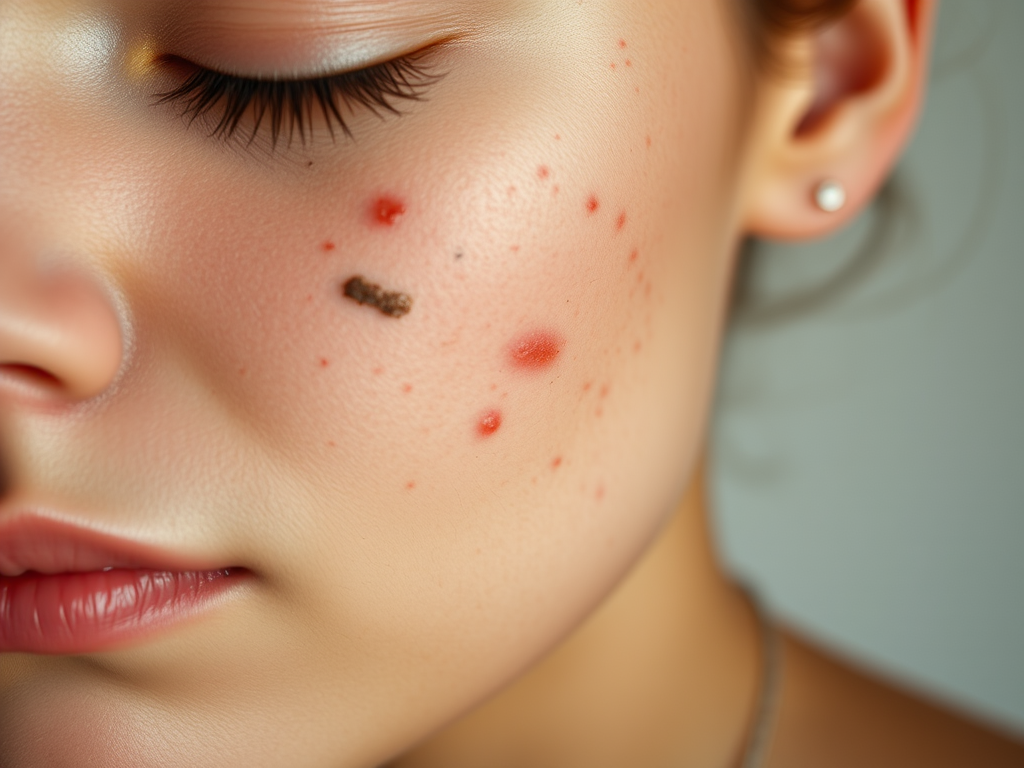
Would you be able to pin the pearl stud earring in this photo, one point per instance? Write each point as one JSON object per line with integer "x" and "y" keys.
{"x": 830, "y": 195}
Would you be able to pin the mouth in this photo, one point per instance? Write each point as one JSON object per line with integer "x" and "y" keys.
{"x": 70, "y": 590}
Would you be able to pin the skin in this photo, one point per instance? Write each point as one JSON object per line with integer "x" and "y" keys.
{"x": 429, "y": 521}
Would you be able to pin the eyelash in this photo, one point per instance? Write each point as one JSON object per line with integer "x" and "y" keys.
{"x": 290, "y": 104}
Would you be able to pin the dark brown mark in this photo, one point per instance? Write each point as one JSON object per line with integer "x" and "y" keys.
{"x": 391, "y": 303}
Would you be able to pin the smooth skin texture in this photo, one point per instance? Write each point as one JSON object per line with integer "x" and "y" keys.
{"x": 179, "y": 367}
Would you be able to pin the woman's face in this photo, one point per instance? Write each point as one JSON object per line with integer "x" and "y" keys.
{"x": 426, "y": 502}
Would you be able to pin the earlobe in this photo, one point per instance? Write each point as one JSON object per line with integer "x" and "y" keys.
{"x": 826, "y": 135}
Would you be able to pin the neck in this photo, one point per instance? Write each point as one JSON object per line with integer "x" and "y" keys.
{"x": 665, "y": 672}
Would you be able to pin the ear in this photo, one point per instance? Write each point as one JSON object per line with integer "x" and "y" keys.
{"x": 841, "y": 108}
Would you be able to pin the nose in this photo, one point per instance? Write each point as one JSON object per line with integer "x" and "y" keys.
{"x": 60, "y": 336}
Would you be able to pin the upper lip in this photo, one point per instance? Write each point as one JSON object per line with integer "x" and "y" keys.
{"x": 48, "y": 546}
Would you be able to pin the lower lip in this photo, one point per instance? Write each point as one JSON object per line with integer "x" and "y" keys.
{"x": 74, "y": 613}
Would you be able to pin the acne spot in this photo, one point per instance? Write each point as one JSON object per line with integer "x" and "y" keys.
{"x": 633, "y": 256}
{"x": 390, "y": 303}
{"x": 411, "y": 485}
{"x": 558, "y": 137}
{"x": 593, "y": 204}
{"x": 620, "y": 222}
{"x": 536, "y": 350}
{"x": 605, "y": 389}
{"x": 514, "y": 249}
{"x": 556, "y": 462}
{"x": 622, "y": 43}
{"x": 543, "y": 172}
{"x": 407, "y": 388}
{"x": 489, "y": 423}
{"x": 629, "y": 62}
{"x": 328, "y": 246}
{"x": 613, "y": 65}
{"x": 648, "y": 141}
{"x": 587, "y": 386}
{"x": 324, "y": 362}
{"x": 387, "y": 210}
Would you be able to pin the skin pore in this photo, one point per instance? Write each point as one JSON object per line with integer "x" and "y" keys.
{"x": 430, "y": 508}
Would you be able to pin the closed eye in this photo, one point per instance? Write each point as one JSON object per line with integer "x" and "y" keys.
{"x": 290, "y": 108}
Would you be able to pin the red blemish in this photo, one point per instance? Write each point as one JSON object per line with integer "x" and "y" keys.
{"x": 410, "y": 485}
{"x": 604, "y": 391}
{"x": 556, "y": 462}
{"x": 593, "y": 204}
{"x": 535, "y": 350}
{"x": 543, "y": 172}
{"x": 634, "y": 255}
{"x": 629, "y": 62}
{"x": 587, "y": 386}
{"x": 328, "y": 246}
{"x": 622, "y": 43}
{"x": 648, "y": 140}
{"x": 514, "y": 249}
{"x": 489, "y": 423}
{"x": 558, "y": 137}
{"x": 621, "y": 221}
{"x": 407, "y": 388}
{"x": 324, "y": 362}
{"x": 613, "y": 65}
{"x": 387, "y": 210}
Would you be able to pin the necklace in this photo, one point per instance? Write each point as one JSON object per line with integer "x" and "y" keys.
{"x": 767, "y": 704}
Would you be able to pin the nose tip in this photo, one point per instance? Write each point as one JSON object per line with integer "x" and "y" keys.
{"x": 60, "y": 338}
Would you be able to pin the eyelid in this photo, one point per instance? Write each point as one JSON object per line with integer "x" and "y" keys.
{"x": 296, "y": 103}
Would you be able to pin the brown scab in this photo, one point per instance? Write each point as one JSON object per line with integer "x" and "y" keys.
{"x": 391, "y": 303}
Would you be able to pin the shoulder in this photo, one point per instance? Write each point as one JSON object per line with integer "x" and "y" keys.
{"x": 832, "y": 714}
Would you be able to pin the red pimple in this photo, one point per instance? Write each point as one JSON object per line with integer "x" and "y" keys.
{"x": 629, "y": 62}
{"x": 587, "y": 386}
{"x": 556, "y": 462}
{"x": 387, "y": 210}
{"x": 620, "y": 222}
{"x": 634, "y": 255}
{"x": 535, "y": 350}
{"x": 410, "y": 485}
{"x": 489, "y": 423}
{"x": 613, "y": 65}
{"x": 622, "y": 43}
{"x": 593, "y": 204}
{"x": 324, "y": 362}
{"x": 407, "y": 388}
{"x": 328, "y": 246}
{"x": 543, "y": 172}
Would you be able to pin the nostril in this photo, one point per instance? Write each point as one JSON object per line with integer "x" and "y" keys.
{"x": 29, "y": 377}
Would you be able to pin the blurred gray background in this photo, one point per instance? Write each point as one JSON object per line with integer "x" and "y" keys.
{"x": 869, "y": 451}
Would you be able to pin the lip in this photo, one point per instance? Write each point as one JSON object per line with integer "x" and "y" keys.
{"x": 70, "y": 590}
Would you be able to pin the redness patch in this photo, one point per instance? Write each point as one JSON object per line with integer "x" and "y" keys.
{"x": 535, "y": 351}
{"x": 324, "y": 362}
{"x": 489, "y": 423}
{"x": 593, "y": 204}
{"x": 411, "y": 485}
{"x": 390, "y": 303}
{"x": 385, "y": 211}
{"x": 328, "y": 246}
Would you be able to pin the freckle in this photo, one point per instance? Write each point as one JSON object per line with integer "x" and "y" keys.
{"x": 593, "y": 204}
{"x": 535, "y": 350}
{"x": 489, "y": 423}
{"x": 387, "y": 210}
{"x": 556, "y": 462}
{"x": 328, "y": 246}
{"x": 543, "y": 172}
{"x": 407, "y": 388}
{"x": 324, "y": 362}
{"x": 620, "y": 223}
